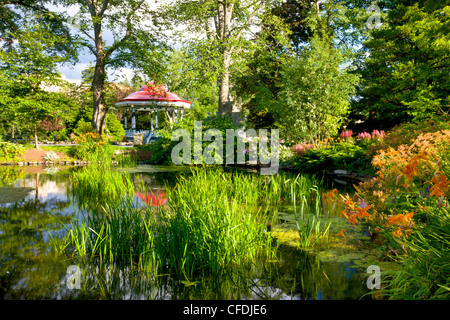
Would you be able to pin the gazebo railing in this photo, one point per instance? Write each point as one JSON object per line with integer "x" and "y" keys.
{"x": 148, "y": 134}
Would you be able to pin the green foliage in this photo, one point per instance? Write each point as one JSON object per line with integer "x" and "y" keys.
{"x": 83, "y": 127}
{"x": 405, "y": 76}
{"x": 315, "y": 98}
{"x": 27, "y": 68}
{"x": 161, "y": 150}
{"x": 341, "y": 155}
{"x": 114, "y": 127}
{"x": 11, "y": 150}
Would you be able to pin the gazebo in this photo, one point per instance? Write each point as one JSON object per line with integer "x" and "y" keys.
{"x": 153, "y": 99}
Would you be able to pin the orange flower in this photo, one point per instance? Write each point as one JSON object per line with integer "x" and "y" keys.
{"x": 398, "y": 233}
{"x": 411, "y": 169}
{"x": 440, "y": 186}
{"x": 342, "y": 233}
{"x": 353, "y": 219}
{"x": 362, "y": 212}
{"x": 332, "y": 194}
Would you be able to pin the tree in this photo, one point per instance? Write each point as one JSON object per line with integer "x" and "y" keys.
{"x": 28, "y": 68}
{"x": 134, "y": 43}
{"x": 405, "y": 77}
{"x": 16, "y": 13}
{"x": 220, "y": 29}
{"x": 316, "y": 93}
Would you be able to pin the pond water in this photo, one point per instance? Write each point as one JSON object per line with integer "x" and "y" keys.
{"x": 35, "y": 203}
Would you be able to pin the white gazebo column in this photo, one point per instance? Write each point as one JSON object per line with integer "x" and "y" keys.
{"x": 181, "y": 117}
{"x": 125, "y": 119}
{"x": 151, "y": 121}
{"x": 156, "y": 119}
{"x": 133, "y": 119}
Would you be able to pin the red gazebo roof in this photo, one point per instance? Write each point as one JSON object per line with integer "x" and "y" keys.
{"x": 152, "y": 95}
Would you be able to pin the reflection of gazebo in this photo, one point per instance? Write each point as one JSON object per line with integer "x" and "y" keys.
{"x": 155, "y": 198}
{"x": 152, "y": 98}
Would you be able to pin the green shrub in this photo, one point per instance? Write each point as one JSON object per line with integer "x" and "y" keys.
{"x": 161, "y": 150}
{"x": 60, "y": 135}
{"x": 93, "y": 147}
{"x": 11, "y": 150}
{"x": 83, "y": 127}
{"x": 343, "y": 155}
{"x": 114, "y": 128}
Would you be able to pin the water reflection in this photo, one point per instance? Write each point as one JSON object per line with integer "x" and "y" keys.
{"x": 30, "y": 268}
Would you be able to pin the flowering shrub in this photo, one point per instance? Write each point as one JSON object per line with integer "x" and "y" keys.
{"x": 11, "y": 150}
{"x": 301, "y": 149}
{"x": 364, "y": 135}
{"x": 410, "y": 180}
{"x": 341, "y": 153}
{"x": 378, "y": 134}
{"x": 93, "y": 147}
{"x": 346, "y": 134}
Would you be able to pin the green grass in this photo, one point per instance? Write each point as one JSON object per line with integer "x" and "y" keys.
{"x": 96, "y": 184}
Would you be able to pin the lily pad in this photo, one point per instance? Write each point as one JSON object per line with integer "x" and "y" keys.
{"x": 10, "y": 195}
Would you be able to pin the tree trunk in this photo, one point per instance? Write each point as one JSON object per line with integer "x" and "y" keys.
{"x": 224, "y": 17}
{"x": 98, "y": 81}
{"x": 225, "y": 106}
{"x": 98, "y": 85}
{"x": 36, "y": 144}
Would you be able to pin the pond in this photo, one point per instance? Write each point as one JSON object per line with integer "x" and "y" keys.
{"x": 35, "y": 204}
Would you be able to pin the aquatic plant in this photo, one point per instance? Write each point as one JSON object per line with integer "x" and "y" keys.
{"x": 308, "y": 217}
{"x": 211, "y": 219}
{"x": 126, "y": 160}
{"x": 96, "y": 185}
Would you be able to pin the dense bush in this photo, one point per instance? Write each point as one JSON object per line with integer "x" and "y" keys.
{"x": 161, "y": 149}
{"x": 83, "y": 127}
{"x": 11, "y": 150}
{"x": 114, "y": 127}
{"x": 344, "y": 153}
{"x": 93, "y": 147}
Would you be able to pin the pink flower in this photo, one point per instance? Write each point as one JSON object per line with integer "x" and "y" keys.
{"x": 378, "y": 134}
{"x": 301, "y": 149}
{"x": 346, "y": 134}
{"x": 364, "y": 135}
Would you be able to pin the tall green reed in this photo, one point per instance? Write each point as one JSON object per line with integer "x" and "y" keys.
{"x": 212, "y": 219}
{"x": 97, "y": 184}
{"x": 308, "y": 213}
